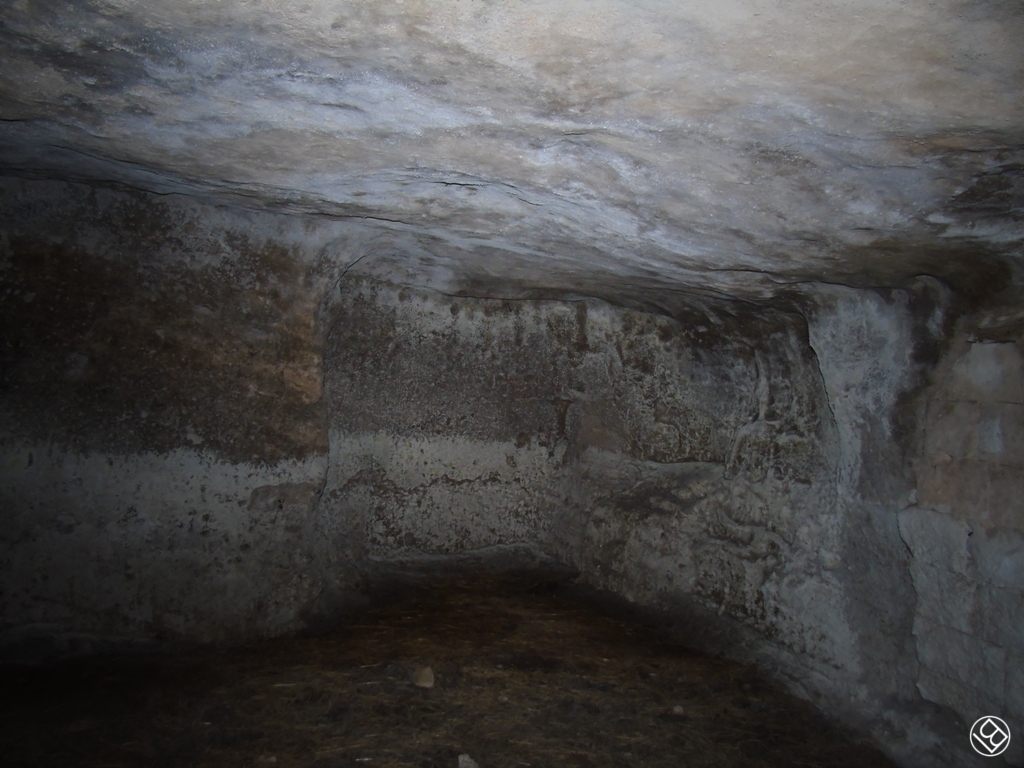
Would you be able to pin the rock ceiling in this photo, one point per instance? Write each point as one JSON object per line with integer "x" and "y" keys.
{"x": 734, "y": 147}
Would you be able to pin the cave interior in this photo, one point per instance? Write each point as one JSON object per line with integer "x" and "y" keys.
{"x": 713, "y": 310}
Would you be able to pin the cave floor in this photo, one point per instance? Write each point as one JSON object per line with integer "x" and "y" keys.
{"x": 522, "y": 677}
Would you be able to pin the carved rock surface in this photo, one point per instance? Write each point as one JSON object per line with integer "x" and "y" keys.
{"x": 718, "y": 303}
{"x": 624, "y": 148}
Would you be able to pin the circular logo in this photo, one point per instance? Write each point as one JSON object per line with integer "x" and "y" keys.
{"x": 990, "y": 736}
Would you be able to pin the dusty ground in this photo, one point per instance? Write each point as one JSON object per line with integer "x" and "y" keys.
{"x": 522, "y": 677}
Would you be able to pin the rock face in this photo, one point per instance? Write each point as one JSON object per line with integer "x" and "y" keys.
{"x": 163, "y": 438}
{"x": 966, "y": 535}
{"x": 718, "y": 303}
{"x": 731, "y": 146}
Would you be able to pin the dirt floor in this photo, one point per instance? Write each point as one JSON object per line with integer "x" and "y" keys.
{"x": 521, "y": 678}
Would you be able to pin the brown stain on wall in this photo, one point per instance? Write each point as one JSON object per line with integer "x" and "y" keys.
{"x": 125, "y": 356}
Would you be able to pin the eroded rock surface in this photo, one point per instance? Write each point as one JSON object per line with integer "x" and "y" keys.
{"x": 966, "y": 534}
{"x": 717, "y": 303}
{"x": 626, "y": 147}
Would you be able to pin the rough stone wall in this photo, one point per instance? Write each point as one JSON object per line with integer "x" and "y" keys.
{"x": 458, "y": 423}
{"x": 162, "y": 443}
{"x": 743, "y": 470}
{"x": 682, "y": 463}
{"x": 966, "y": 537}
{"x": 177, "y": 544}
{"x": 447, "y": 418}
{"x": 176, "y": 459}
{"x": 777, "y": 537}
{"x": 866, "y": 345}
{"x": 739, "y": 518}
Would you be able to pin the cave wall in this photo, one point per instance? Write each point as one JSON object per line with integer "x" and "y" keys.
{"x": 447, "y": 418}
{"x": 458, "y": 423}
{"x": 966, "y": 535}
{"x": 162, "y": 443}
{"x": 210, "y": 418}
{"x": 706, "y": 466}
{"x": 740, "y": 470}
{"x": 739, "y": 521}
{"x": 777, "y": 540}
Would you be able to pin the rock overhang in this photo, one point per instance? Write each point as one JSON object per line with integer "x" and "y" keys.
{"x": 622, "y": 150}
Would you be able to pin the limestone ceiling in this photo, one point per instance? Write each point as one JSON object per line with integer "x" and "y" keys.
{"x": 730, "y": 146}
